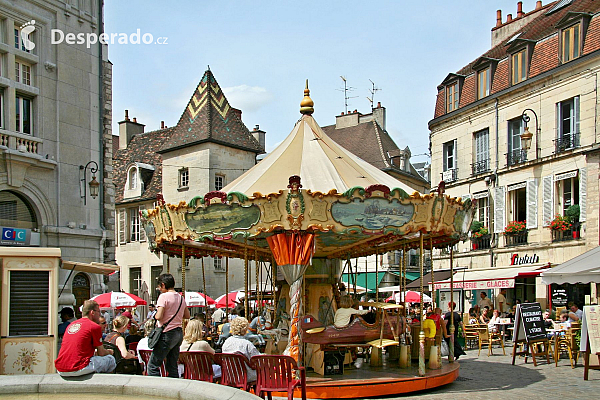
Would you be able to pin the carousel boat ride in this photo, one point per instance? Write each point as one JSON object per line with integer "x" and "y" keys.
{"x": 307, "y": 209}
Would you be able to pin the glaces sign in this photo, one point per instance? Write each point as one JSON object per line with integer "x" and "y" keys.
{"x": 516, "y": 260}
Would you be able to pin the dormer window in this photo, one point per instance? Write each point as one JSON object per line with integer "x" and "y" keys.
{"x": 570, "y": 42}
{"x": 452, "y": 97}
{"x": 519, "y": 66}
{"x": 483, "y": 83}
{"x": 133, "y": 178}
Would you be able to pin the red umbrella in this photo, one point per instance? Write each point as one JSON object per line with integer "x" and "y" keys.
{"x": 118, "y": 299}
{"x": 234, "y": 298}
{"x": 196, "y": 299}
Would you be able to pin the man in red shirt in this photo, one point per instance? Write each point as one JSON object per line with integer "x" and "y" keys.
{"x": 81, "y": 339}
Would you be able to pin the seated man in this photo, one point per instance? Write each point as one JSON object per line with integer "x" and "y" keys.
{"x": 575, "y": 314}
{"x": 82, "y": 337}
{"x": 345, "y": 312}
{"x": 548, "y": 323}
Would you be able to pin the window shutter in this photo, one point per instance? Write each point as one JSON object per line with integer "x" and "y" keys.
{"x": 499, "y": 201}
{"x": 142, "y": 230}
{"x": 122, "y": 227}
{"x": 558, "y": 125}
{"x": 582, "y": 194}
{"x": 548, "y": 198}
{"x": 28, "y": 303}
{"x": 455, "y": 161}
{"x": 445, "y": 158}
{"x": 575, "y": 131}
{"x": 532, "y": 217}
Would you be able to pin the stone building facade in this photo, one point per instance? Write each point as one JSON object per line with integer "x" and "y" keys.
{"x": 543, "y": 65}
{"x": 55, "y": 116}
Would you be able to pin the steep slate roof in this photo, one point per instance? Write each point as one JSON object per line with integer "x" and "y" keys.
{"x": 208, "y": 117}
{"x": 369, "y": 142}
{"x": 142, "y": 149}
{"x": 541, "y": 31}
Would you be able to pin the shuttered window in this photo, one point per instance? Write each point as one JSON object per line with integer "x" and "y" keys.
{"x": 499, "y": 208}
{"x": 582, "y": 194}
{"x": 449, "y": 154}
{"x": 28, "y": 303}
{"x": 532, "y": 196}
{"x": 548, "y": 199}
{"x": 142, "y": 230}
{"x": 122, "y": 226}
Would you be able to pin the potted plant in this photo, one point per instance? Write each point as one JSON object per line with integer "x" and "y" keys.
{"x": 483, "y": 231}
{"x": 475, "y": 227}
{"x": 560, "y": 223}
{"x": 515, "y": 227}
{"x": 572, "y": 212}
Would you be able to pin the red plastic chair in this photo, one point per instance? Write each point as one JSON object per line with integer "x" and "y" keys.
{"x": 145, "y": 355}
{"x": 234, "y": 370}
{"x": 276, "y": 374}
{"x": 132, "y": 346}
{"x": 198, "y": 365}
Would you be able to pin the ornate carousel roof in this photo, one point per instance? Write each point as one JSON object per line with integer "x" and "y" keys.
{"x": 308, "y": 185}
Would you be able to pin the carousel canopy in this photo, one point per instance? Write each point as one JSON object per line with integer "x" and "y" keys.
{"x": 325, "y": 201}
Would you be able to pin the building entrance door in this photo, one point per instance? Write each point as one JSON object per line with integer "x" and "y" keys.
{"x": 81, "y": 291}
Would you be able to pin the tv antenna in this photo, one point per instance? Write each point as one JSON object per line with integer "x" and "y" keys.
{"x": 346, "y": 89}
{"x": 373, "y": 90}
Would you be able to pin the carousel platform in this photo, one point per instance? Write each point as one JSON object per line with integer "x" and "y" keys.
{"x": 368, "y": 381}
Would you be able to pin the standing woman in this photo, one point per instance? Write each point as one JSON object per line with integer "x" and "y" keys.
{"x": 171, "y": 311}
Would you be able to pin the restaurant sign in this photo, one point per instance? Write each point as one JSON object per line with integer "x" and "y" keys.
{"x": 516, "y": 260}
{"x": 478, "y": 285}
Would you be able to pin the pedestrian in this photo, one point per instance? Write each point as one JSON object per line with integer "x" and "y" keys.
{"x": 458, "y": 351}
{"x": 171, "y": 311}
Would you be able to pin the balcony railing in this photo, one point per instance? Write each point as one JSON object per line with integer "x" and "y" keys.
{"x": 566, "y": 142}
{"x": 21, "y": 142}
{"x": 562, "y": 236}
{"x": 480, "y": 167}
{"x": 516, "y": 239}
{"x": 516, "y": 157}
{"x": 481, "y": 243}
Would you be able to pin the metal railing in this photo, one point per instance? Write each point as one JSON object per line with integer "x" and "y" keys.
{"x": 516, "y": 157}
{"x": 563, "y": 236}
{"x": 516, "y": 239}
{"x": 566, "y": 142}
{"x": 481, "y": 243}
{"x": 480, "y": 167}
{"x": 450, "y": 175}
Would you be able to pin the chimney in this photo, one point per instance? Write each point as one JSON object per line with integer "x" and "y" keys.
{"x": 237, "y": 112}
{"x": 379, "y": 115}
{"x": 258, "y": 135}
{"x": 520, "y": 12}
{"x": 498, "y": 18}
{"x": 162, "y": 124}
{"x": 134, "y": 120}
{"x": 503, "y": 31}
{"x": 509, "y": 18}
{"x": 128, "y": 129}
{"x": 538, "y": 5}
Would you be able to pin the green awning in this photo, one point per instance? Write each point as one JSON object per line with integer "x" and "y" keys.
{"x": 364, "y": 279}
{"x": 411, "y": 276}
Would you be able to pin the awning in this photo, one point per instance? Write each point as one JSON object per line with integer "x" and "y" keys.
{"x": 490, "y": 278}
{"x": 584, "y": 268}
{"x": 364, "y": 279}
{"x": 438, "y": 275}
{"x": 92, "y": 268}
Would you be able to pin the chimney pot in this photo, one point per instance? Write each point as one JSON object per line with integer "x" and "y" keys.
{"x": 520, "y": 12}
{"x": 256, "y": 127}
{"x": 538, "y": 4}
{"x": 378, "y": 104}
{"x": 126, "y": 115}
{"x": 498, "y": 18}
{"x": 355, "y": 111}
{"x": 509, "y": 18}
{"x": 162, "y": 124}
{"x": 134, "y": 120}
{"x": 342, "y": 113}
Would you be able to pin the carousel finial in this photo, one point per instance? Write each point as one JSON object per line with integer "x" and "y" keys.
{"x": 306, "y": 105}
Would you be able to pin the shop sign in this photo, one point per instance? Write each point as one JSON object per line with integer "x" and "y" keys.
{"x": 15, "y": 236}
{"x": 478, "y": 285}
{"x": 559, "y": 297}
{"x": 516, "y": 260}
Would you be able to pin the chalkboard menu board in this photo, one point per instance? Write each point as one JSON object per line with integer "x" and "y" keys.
{"x": 529, "y": 322}
{"x": 559, "y": 297}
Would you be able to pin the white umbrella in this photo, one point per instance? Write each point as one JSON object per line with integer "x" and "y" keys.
{"x": 195, "y": 299}
{"x": 118, "y": 299}
{"x": 411, "y": 297}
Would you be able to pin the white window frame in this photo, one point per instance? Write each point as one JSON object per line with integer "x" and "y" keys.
{"x": 219, "y": 182}
{"x": 23, "y": 73}
{"x": 20, "y": 101}
{"x": 482, "y": 213}
{"x": 452, "y": 97}
{"x": 132, "y": 178}
{"x": 484, "y": 91}
{"x": 18, "y": 43}
{"x": 573, "y": 118}
{"x": 482, "y": 147}
{"x": 134, "y": 224}
{"x": 184, "y": 178}
{"x": 513, "y": 203}
{"x": 449, "y": 157}
{"x": 218, "y": 263}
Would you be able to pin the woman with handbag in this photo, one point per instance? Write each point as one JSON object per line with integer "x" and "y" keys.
{"x": 168, "y": 335}
{"x": 126, "y": 360}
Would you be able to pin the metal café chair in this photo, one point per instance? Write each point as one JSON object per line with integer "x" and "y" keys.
{"x": 198, "y": 365}
{"x": 145, "y": 355}
{"x": 277, "y": 374}
{"x": 234, "y": 370}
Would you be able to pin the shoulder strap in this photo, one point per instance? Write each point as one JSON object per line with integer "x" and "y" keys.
{"x": 191, "y": 344}
{"x": 176, "y": 312}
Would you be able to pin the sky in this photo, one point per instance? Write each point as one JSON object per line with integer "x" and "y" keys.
{"x": 261, "y": 53}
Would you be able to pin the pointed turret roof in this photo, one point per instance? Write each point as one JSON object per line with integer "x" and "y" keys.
{"x": 208, "y": 117}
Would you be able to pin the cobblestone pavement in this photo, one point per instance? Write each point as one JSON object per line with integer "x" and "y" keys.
{"x": 494, "y": 377}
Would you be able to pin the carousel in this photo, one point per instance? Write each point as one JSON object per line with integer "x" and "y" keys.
{"x": 307, "y": 210}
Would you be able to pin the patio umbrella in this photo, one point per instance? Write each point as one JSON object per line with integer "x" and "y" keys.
{"x": 411, "y": 297}
{"x": 234, "y": 298}
{"x": 118, "y": 299}
{"x": 195, "y": 299}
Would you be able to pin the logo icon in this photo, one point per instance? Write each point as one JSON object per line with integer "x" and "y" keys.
{"x": 26, "y": 30}
{"x": 14, "y": 235}
{"x": 74, "y": 328}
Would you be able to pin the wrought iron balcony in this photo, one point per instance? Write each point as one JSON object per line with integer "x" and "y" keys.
{"x": 516, "y": 157}
{"x": 566, "y": 142}
{"x": 570, "y": 234}
{"x": 450, "y": 175}
{"x": 516, "y": 239}
{"x": 480, "y": 167}
{"x": 481, "y": 243}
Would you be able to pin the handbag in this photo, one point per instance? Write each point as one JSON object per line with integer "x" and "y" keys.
{"x": 154, "y": 336}
{"x": 445, "y": 350}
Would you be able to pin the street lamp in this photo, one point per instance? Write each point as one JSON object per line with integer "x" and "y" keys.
{"x": 93, "y": 184}
{"x": 526, "y": 136}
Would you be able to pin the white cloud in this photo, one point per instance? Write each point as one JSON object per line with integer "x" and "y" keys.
{"x": 247, "y": 98}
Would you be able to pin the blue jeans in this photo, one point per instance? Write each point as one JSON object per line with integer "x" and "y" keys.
{"x": 167, "y": 350}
